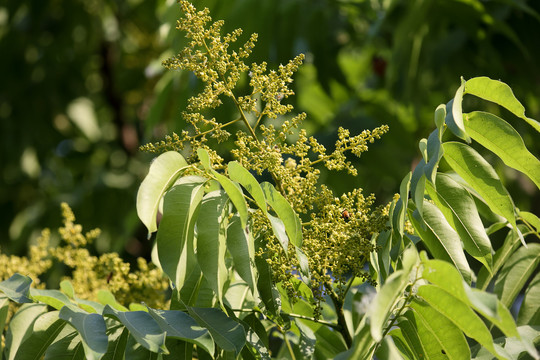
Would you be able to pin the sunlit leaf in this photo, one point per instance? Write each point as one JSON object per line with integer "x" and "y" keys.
{"x": 17, "y": 288}
{"x": 242, "y": 176}
{"x": 500, "y": 137}
{"x": 163, "y": 172}
{"x": 499, "y": 93}
{"x": 20, "y": 328}
{"x": 53, "y": 298}
{"x": 454, "y": 114}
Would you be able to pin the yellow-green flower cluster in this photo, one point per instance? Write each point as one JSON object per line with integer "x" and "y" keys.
{"x": 337, "y": 248}
{"x": 90, "y": 273}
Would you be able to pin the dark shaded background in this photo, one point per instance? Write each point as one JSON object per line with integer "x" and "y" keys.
{"x": 81, "y": 87}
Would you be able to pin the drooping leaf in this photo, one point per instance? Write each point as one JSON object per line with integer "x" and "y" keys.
{"x": 442, "y": 241}
{"x": 438, "y": 335}
{"x": 278, "y": 228}
{"x": 241, "y": 245}
{"x": 418, "y": 183}
{"x": 20, "y": 327}
{"x": 44, "y": 330}
{"x": 163, "y": 172}
{"x": 501, "y": 138}
{"x": 144, "y": 329}
{"x": 17, "y": 288}
{"x": 176, "y": 233}
{"x": 459, "y": 313}
{"x": 242, "y": 176}
{"x": 516, "y": 272}
{"x": 479, "y": 174}
{"x": 459, "y": 209}
{"x": 211, "y": 240}
{"x": 499, "y": 93}
{"x": 531, "y": 218}
{"x": 267, "y": 290}
{"x": 180, "y": 325}
{"x": 227, "y": 333}
{"x": 90, "y": 326}
{"x": 435, "y": 153}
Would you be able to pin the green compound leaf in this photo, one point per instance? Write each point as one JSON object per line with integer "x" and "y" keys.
{"x": 227, "y": 333}
{"x": 176, "y": 230}
{"x": 479, "y": 174}
{"x": 516, "y": 272}
{"x": 442, "y": 241}
{"x": 211, "y": 240}
{"x": 91, "y": 328}
{"x": 460, "y": 211}
{"x": 17, "y": 288}
{"x": 144, "y": 329}
{"x": 459, "y": 313}
{"x": 499, "y": 93}
{"x": 500, "y": 137}
{"x": 180, "y": 325}
{"x": 163, "y": 172}
{"x": 240, "y": 244}
{"x": 438, "y": 335}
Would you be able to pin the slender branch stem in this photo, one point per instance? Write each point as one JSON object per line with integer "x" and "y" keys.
{"x": 287, "y": 342}
{"x": 338, "y": 304}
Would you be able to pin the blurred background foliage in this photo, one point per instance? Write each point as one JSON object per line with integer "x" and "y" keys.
{"x": 81, "y": 87}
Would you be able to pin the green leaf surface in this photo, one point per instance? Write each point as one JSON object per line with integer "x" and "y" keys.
{"x": 459, "y": 313}
{"x": 399, "y": 213}
{"x": 204, "y": 158}
{"x": 53, "y": 298}
{"x": 454, "y": 116}
{"x": 384, "y": 302}
{"x": 179, "y": 325}
{"x": 285, "y": 212}
{"x": 144, "y": 329}
{"x": 516, "y": 272}
{"x": 446, "y": 276}
{"x": 20, "y": 328}
{"x": 500, "y": 137}
{"x": 442, "y": 241}
{"x": 227, "y": 333}
{"x": 68, "y": 346}
{"x": 440, "y": 337}
{"x": 235, "y": 194}
{"x": 479, "y": 174}
{"x": 530, "y": 218}
{"x": 499, "y": 93}
{"x": 418, "y": 184}
{"x": 91, "y": 327}
{"x": 267, "y": 290}
{"x": 240, "y": 244}
{"x": 176, "y": 230}
{"x": 44, "y": 330}
{"x": 529, "y": 311}
{"x": 163, "y": 172}
{"x": 17, "y": 288}
{"x": 459, "y": 209}
{"x": 242, "y": 176}
{"x": 211, "y": 240}
{"x": 4, "y": 310}
{"x": 407, "y": 339}
{"x": 434, "y": 153}
{"x": 117, "y": 344}
{"x": 106, "y": 297}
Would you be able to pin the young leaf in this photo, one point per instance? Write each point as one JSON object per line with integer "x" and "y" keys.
{"x": 499, "y": 93}
{"x": 142, "y": 327}
{"x": 227, "y": 333}
{"x": 211, "y": 240}
{"x": 435, "y": 153}
{"x": 240, "y": 244}
{"x": 500, "y": 137}
{"x": 454, "y": 115}
{"x": 163, "y": 172}
{"x": 460, "y": 211}
{"x": 516, "y": 272}
{"x": 180, "y": 209}
{"x": 17, "y": 288}
{"x": 399, "y": 213}
{"x": 53, "y": 298}
{"x": 91, "y": 327}
{"x": 441, "y": 240}
{"x": 479, "y": 174}
{"x": 20, "y": 328}
{"x": 179, "y": 325}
